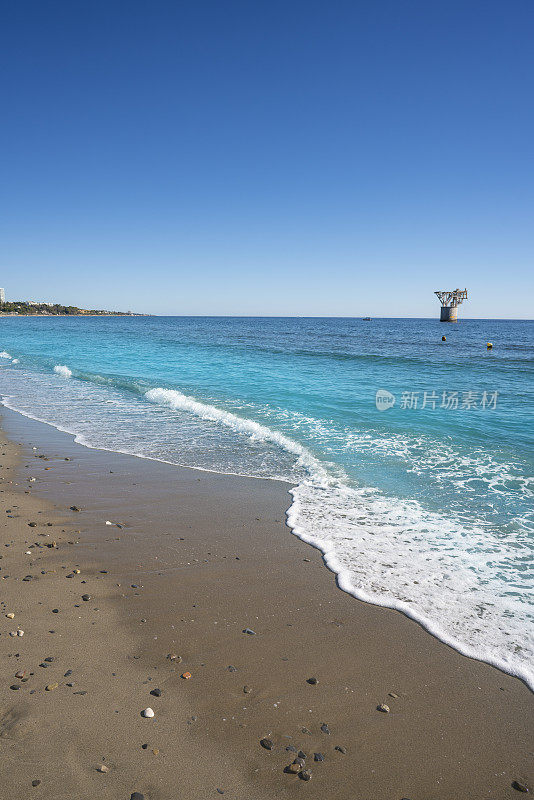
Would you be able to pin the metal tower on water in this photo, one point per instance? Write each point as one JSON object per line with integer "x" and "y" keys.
{"x": 450, "y": 300}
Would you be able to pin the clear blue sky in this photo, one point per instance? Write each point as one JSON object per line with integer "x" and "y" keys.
{"x": 268, "y": 157}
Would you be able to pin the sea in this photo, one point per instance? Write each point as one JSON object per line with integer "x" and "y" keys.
{"x": 409, "y": 459}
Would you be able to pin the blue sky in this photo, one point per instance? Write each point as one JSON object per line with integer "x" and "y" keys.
{"x": 292, "y": 158}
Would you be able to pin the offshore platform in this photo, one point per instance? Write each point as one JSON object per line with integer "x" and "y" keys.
{"x": 450, "y": 302}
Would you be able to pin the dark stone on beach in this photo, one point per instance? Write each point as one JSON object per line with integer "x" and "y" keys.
{"x": 49, "y": 659}
{"x": 14, "y": 686}
{"x": 318, "y": 757}
{"x": 292, "y": 769}
{"x": 247, "y": 689}
{"x": 302, "y": 754}
{"x": 232, "y": 668}
{"x": 86, "y": 597}
{"x": 74, "y": 508}
{"x": 55, "y": 611}
{"x": 137, "y": 796}
{"x": 383, "y": 708}
{"x": 68, "y": 672}
{"x": 325, "y": 728}
{"x": 268, "y": 744}
{"x": 305, "y": 775}
{"x": 520, "y": 787}
{"x": 291, "y": 748}
{"x": 312, "y": 681}
{"x": 144, "y": 746}
{"x": 301, "y": 762}
{"x": 156, "y": 692}
{"x": 306, "y": 731}
{"x": 36, "y": 782}
{"x": 341, "y": 749}
{"x": 249, "y": 631}
{"x": 32, "y": 524}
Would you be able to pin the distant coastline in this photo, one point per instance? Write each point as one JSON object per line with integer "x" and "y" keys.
{"x": 25, "y": 308}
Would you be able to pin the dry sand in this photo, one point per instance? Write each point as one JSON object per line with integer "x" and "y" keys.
{"x": 198, "y": 559}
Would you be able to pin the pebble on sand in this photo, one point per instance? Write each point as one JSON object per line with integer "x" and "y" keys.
{"x": 147, "y": 712}
{"x": 383, "y": 707}
{"x": 312, "y": 681}
{"x": 305, "y": 775}
{"x": 249, "y": 631}
{"x": 10, "y": 615}
{"x": 174, "y": 657}
{"x": 292, "y": 769}
{"x": 268, "y": 744}
{"x": 102, "y": 768}
{"x": 137, "y": 796}
{"x": 51, "y": 686}
{"x": 36, "y": 782}
{"x": 186, "y": 676}
{"x": 520, "y": 787}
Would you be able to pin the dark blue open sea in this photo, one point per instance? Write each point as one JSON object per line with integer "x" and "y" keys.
{"x": 425, "y": 505}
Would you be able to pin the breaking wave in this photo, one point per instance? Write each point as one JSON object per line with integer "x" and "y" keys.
{"x": 61, "y": 369}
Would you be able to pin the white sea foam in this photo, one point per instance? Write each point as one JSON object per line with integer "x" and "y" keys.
{"x": 62, "y": 370}
{"x": 3, "y": 354}
{"x": 433, "y": 569}
{"x": 14, "y": 361}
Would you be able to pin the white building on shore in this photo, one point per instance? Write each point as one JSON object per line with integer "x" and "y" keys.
{"x": 2, "y": 296}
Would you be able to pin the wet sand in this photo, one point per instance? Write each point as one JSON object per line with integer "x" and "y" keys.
{"x": 198, "y": 559}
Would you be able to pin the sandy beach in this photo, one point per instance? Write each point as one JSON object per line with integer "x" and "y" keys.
{"x": 140, "y": 585}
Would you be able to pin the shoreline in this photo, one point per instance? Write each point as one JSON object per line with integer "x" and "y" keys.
{"x": 211, "y": 556}
{"x": 330, "y": 561}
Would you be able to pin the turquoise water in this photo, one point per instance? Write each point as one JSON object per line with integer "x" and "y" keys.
{"x": 425, "y": 506}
